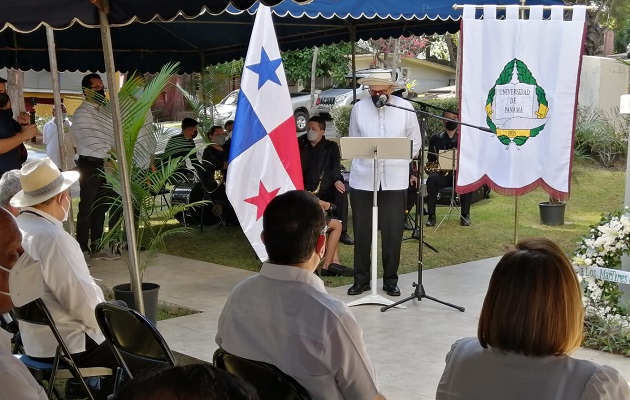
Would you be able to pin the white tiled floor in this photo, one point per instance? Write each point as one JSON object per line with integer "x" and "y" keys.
{"x": 407, "y": 346}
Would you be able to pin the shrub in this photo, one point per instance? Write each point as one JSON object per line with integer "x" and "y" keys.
{"x": 600, "y": 136}
{"x": 435, "y": 125}
{"x": 341, "y": 118}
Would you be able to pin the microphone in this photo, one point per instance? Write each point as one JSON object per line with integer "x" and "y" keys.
{"x": 382, "y": 99}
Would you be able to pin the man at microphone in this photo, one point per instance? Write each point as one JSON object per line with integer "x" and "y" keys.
{"x": 373, "y": 118}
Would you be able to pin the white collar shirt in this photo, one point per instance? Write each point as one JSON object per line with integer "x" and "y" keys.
{"x": 50, "y": 137}
{"x": 70, "y": 292}
{"x": 284, "y": 316}
{"x": 368, "y": 121}
{"x": 93, "y": 130}
{"x": 15, "y": 380}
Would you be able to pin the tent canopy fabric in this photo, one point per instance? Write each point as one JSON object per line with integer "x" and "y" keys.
{"x": 212, "y": 38}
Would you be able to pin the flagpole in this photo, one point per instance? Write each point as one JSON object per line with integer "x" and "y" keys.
{"x": 515, "y": 219}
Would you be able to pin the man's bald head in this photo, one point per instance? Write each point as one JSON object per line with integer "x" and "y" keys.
{"x": 10, "y": 250}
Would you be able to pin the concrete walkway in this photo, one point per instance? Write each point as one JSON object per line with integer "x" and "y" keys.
{"x": 407, "y": 346}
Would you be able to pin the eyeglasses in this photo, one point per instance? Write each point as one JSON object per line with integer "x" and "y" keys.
{"x": 379, "y": 92}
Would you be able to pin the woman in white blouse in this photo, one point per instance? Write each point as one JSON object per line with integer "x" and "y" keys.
{"x": 532, "y": 318}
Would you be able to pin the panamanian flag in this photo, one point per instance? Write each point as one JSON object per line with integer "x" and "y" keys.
{"x": 264, "y": 158}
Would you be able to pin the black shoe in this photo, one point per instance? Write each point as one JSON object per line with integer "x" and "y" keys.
{"x": 431, "y": 220}
{"x": 358, "y": 288}
{"x": 74, "y": 390}
{"x": 464, "y": 220}
{"x": 335, "y": 269}
{"x": 392, "y": 289}
{"x": 346, "y": 239}
{"x": 408, "y": 226}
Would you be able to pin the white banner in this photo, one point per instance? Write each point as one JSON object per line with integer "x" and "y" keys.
{"x": 520, "y": 79}
{"x": 604, "y": 274}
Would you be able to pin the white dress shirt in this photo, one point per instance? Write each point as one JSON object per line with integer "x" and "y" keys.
{"x": 70, "y": 292}
{"x": 16, "y": 382}
{"x": 51, "y": 140}
{"x": 284, "y": 316}
{"x": 93, "y": 130}
{"x": 368, "y": 121}
{"x": 473, "y": 372}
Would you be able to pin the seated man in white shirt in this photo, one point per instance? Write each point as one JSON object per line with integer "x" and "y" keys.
{"x": 70, "y": 292}
{"x": 284, "y": 316}
{"x": 15, "y": 380}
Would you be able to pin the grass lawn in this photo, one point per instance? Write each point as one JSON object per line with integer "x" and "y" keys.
{"x": 595, "y": 191}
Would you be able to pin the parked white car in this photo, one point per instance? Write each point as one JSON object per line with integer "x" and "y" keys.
{"x": 226, "y": 108}
{"x": 341, "y": 94}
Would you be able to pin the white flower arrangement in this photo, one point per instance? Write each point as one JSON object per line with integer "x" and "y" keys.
{"x": 603, "y": 247}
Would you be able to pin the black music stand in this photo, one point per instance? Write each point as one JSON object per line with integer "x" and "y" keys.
{"x": 449, "y": 157}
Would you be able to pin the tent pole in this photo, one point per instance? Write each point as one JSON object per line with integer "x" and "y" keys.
{"x": 125, "y": 186}
{"x": 353, "y": 44}
{"x": 64, "y": 139}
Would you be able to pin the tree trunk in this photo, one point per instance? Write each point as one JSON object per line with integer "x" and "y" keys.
{"x": 452, "y": 50}
{"x": 313, "y": 77}
{"x": 15, "y": 90}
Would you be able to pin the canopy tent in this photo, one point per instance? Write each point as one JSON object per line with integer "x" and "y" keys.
{"x": 196, "y": 40}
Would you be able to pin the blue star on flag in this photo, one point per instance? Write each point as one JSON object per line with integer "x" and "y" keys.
{"x": 266, "y": 69}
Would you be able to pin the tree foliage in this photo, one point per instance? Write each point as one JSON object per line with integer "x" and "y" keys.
{"x": 332, "y": 60}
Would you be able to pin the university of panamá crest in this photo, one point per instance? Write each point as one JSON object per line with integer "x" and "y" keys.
{"x": 516, "y": 108}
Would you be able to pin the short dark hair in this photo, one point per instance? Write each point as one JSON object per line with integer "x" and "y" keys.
{"x": 534, "y": 304}
{"x": 4, "y": 99}
{"x": 229, "y": 122}
{"x": 189, "y": 123}
{"x": 213, "y": 129}
{"x": 321, "y": 122}
{"x": 292, "y": 223}
{"x": 2, "y": 80}
{"x": 86, "y": 82}
{"x": 190, "y": 382}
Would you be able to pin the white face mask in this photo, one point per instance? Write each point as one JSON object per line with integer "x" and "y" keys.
{"x": 26, "y": 282}
{"x": 311, "y": 135}
{"x": 66, "y": 211}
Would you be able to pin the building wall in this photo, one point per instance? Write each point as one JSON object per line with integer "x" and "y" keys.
{"x": 602, "y": 82}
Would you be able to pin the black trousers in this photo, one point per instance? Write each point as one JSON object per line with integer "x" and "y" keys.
{"x": 391, "y": 218}
{"x": 90, "y": 219}
{"x": 437, "y": 181}
{"x": 341, "y": 203}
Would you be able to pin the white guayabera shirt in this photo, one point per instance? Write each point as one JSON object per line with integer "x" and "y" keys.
{"x": 283, "y": 316}
{"x": 15, "y": 380}
{"x": 368, "y": 121}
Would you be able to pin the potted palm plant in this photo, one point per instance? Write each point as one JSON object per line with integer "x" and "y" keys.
{"x": 151, "y": 224}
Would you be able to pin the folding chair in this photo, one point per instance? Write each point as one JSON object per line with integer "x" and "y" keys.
{"x": 269, "y": 381}
{"x": 63, "y": 365}
{"x": 129, "y": 332}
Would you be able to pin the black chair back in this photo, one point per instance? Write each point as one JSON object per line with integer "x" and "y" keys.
{"x": 130, "y": 332}
{"x": 269, "y": 381}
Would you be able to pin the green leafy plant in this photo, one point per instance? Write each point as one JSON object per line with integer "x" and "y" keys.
{"x": 599, "y": 136}
{"x": 341, "y": 118}
{"x": 146, "y": 179}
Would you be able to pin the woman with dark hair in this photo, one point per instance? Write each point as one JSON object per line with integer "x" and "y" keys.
{"x": 531, "y": 320}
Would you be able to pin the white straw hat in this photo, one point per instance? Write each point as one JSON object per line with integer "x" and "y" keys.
{"x": 41, "y": 180}
{"x": 379, "y": 79}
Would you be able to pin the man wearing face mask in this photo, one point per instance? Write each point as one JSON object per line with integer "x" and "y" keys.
{"x": 92, "y": 129}
{"x": 213, "y": 157}
{"x": 446, "y": 140}
{"x": 51, "y": 136}
{"x": 181, "y": 146}
{"x": 20, "y": 283}
{"x": 70, "y": 292}
{"x": 371, "y": 118}
{"x": 12, "y": 135}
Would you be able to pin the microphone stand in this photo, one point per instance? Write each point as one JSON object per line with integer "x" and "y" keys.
{"x": 419, "y": 293}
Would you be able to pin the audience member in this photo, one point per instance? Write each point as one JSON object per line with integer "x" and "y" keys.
{"x": 51, "y": 136}
{"x": 531, "y": 320}
{"x": 15, "y": 380}
{"x": 213, "y": 158}
{"x": 9, "y": 186}
{"x": 13, "y": 134}
{"x": 182, "y": 145}
{"x": 284, "y": 316}
{"x": 92, "y": 129}
{"x": 188, "y": 382}
{"x": 321, "y": 172}
{"x": 70, "y": 292}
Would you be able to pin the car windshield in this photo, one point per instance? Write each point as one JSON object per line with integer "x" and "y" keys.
{"x": 347, "y": 84}
{"x": 230, "y": 99}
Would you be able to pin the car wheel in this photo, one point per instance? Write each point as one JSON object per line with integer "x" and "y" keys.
{"x": 301, "y": 120}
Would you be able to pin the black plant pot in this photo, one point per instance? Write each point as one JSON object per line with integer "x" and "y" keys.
{"x": 149, "y": 295}
{"x": 551, "y": 213}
